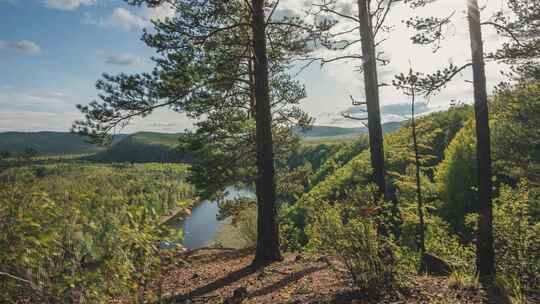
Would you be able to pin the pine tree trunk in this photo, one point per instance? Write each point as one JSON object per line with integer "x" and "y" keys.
{"x": 371, "y": 84}
{"x": 421, "y": 228}
{"x": 485, "y": 256}
{"x": 267, "y": 229}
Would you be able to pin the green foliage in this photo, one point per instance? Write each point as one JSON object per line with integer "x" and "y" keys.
{"x": 342, "y": 176}
{"x": 338, "y": 159}
{"x": 516, "y": 235}
{"x": 370, "y": 259}
{"x": 4, "y": 154}
{"x": 143, "y": 147}
{"x": 246, "y": 224}
{"x": 46, "y": 143}
{"x": 516, "y": 140}
{"x": 28, "y": 153}
{"x": 438, "y": 129}
{"x": 457, "y": 178}
{"x": 80, "y": 234}
{"x": 314, "y": 154}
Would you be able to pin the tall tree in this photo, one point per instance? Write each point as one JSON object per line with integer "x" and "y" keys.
{"x": 371, "y": 85}
{"x": 370, "y": 23}
{"x": 216, "y": 66}
{"x": 267, "y": 228}
{"x": 485, "y": 254}
{"x": 429, "y": 33}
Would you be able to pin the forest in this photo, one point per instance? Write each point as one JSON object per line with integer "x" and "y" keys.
{"x": 257, "y": 203}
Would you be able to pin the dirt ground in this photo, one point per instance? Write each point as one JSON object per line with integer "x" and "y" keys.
{"x": 225, "y": 276}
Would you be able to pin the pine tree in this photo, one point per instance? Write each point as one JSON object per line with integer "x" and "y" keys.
{"x": 223, "y": 63}
{"x": 430, "y": 33}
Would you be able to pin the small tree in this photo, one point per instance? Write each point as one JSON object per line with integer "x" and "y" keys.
{"x": 409, "y": 84}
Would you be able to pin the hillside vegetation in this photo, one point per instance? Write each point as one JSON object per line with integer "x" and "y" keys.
{"x": 142, "y": 147}
{"x": 47, "y": 143}
{"x": 85, "y": 231}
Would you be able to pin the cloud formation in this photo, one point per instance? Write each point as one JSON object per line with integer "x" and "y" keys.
{"x": 129, "y": 20}
{"x": 126, "y": 20}
{"x": 25, "y": 46}
{"x": 68, "y": 5}
{"x": 125, "y": 59}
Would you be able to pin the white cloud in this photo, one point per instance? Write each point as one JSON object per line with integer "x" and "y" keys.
{"x": 125, "y": 59}
{"x": 126, "y": 20}
{"x": 36, "y": 101}
{"x": 329, "y": 88}
{"x": 132, "y": 19}
{"x": 61, "y": 121}
{"x": 25, "y": 46}
{"x": 28, "y": 121}
{"x": 68, "y": 4}
{"x": 159, "y": 13}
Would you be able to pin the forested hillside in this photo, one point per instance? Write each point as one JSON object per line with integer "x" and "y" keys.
{"x": 142, "y": 147}
{"x": 338, "y": 132}
{"x": 47, "y": 143}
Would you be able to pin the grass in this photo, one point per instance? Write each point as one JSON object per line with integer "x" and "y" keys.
{"x": 463, "y": 280}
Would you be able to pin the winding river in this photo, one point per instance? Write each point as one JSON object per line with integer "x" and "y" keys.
{"x": 201, "y": 227}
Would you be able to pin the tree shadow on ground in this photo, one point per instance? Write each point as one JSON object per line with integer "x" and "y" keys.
{"x": 289, "y": 279}
{"x": 219, "y": 283}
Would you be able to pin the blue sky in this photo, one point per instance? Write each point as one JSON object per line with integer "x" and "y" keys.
{"x": 53, "y": 51}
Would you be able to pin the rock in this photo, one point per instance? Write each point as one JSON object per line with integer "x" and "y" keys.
{"x": 324, "y": 259}
{"x": 433, "y": 265}
{"x": 239, "y": 295}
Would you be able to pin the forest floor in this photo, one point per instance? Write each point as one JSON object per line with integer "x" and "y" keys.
{"x": 225, "y": 276}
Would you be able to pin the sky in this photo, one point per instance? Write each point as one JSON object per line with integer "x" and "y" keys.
{"x": 53, "y": 51}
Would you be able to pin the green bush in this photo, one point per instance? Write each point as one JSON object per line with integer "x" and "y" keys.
{"x": 82, "y": 234}
{"x": 370, "y": 259}
{"x": 457, "y": 178}
{"x": 517, "y": 235}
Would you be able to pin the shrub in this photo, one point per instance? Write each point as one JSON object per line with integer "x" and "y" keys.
{"x": 246, "y": 225}
{"x": 85, "y": 235}
{"x": 516, "y": 235}
{"x": 457, "y": 180}
{"x": 369, "y": 258}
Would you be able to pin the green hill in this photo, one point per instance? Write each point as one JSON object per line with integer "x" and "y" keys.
{"x": 142, "y": 147}
{"x": 46, "y": 143}
{"x": 436, "y": 130}
{"x": 333, "y": 132}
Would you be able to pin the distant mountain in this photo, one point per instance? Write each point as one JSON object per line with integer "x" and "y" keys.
{"x": 142, "y": 147}
{"x": 328, "y": 131}
{"x": 48, "y": 143}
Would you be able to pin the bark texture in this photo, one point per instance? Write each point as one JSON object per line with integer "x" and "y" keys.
{"x": 371, "y": 83}
{"x": 485, "y": 256}
{"x": 267, "y": 229}
{"x": 421, "y": 227}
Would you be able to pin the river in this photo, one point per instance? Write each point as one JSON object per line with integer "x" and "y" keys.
{"x": 201, "y": 227}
